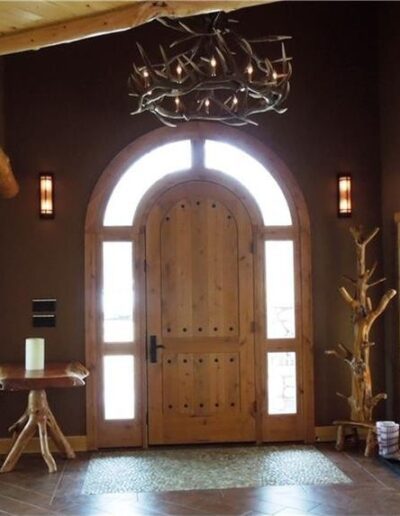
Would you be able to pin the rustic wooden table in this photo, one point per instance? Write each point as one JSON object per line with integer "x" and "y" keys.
{"x": 14, "y": 377}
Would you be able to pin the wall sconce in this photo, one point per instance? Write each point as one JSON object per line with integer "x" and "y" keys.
{"x": 46, "y": 195}
{"x": 344, "y": 195}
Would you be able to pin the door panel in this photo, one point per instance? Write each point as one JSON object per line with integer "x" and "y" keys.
{"x": 200, "y": 307}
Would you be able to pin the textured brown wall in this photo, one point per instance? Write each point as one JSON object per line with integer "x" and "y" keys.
{"x": 67, "y": 111}
{"x": 389, "y": 52}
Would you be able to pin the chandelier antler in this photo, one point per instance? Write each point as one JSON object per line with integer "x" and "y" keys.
{"x": 211, "y": 73}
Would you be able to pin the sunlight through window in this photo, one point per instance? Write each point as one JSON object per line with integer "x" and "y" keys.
{"x": 119, "y": 397}
{"x": 279, "y": 280}
{"x": 117, "y": 292}
{"x": 140, "y": 176}
{"x": 282, "y": 397}
{"x": 253, "y": 176}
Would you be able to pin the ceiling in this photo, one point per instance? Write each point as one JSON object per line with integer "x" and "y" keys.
{"x": 29, "y": 25}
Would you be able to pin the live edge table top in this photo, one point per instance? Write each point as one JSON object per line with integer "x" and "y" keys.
{"x": 14, "y": 377}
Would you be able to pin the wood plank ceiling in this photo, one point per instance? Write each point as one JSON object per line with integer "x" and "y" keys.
{"x": 28, "y": 25}
{"x": 31, "y": 25}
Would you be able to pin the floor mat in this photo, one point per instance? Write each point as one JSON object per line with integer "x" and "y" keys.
{"x": 209, "y": 468}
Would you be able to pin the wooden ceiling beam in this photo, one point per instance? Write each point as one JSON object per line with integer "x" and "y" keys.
{"x": 114, "y": 20}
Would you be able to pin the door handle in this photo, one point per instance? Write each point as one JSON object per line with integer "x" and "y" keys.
{"x": 153, "y": 349}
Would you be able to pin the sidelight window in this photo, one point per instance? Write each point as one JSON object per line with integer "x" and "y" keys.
{"x": 119, "y": 393}
{"x": 279, "y": 282}
{"x": 281, "y": 367}
{"x": 117, "y": 292}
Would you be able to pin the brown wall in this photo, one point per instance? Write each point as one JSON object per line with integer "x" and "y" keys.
{"x": 390, "y": 159}
{"x": 67, "y": 111}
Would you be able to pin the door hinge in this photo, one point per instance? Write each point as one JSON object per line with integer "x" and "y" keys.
{"x": 255, "y": 408}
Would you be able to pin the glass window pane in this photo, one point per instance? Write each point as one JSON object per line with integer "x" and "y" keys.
{"x": 119, "y": 389}
{"x": 279, "y": 283}
{"x": 253, "y": 176}
{"x": 117, "y": 292}
{"x": 140, "y": 176}
{"x": 281, "y": 370}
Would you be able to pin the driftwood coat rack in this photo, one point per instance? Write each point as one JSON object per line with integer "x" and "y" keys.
{"x": 362, "y": 401}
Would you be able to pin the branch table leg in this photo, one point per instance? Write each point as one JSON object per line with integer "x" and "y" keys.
{"x": 18, "y": 447}
{"x": 37, "y": 415}
{"x": 44, "y": 447}
{"x": 340, "y": 438}
{"x": 58, "y": 437}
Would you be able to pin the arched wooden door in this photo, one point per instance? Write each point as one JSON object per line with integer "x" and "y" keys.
{"x": 200, "y": 317}
{"x": 198, "y": 240}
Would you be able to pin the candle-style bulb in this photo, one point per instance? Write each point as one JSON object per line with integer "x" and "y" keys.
{"x": 250, "y": 70}
{"x": 274, "y": 75}
{"x": 179, "y": 72}
{"x": 213, "y": 63}
{"x": 207, "y": 105}
{"x": 146, "y": 78}
{"x": 177, "y": 104}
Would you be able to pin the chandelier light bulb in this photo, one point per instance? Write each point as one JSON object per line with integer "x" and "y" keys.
{"x": 274, "y": 75}
{"x": 179, "y": 71}
{"x": 177, "y": 104}
{"x": 146, "y": 78}
{"x": 235, "y": 100}
{"x": 250, "y": 71}
{"x": 213, "y": 63}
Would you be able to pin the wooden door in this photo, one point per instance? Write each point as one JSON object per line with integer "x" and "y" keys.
{"x": 200, "y": 309}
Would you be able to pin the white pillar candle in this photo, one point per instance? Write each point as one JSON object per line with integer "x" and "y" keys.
{"x": 34, "y": 354}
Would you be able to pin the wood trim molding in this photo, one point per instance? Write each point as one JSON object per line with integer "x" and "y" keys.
{"x": 115, "y": 20}
{"x": 80, "y": 443}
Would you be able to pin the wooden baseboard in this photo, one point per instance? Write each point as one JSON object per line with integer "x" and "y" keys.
{"x": 79, "y": 442}
{"x": 326, "y": 434}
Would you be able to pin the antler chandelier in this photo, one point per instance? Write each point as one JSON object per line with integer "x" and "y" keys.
{"x": 211, "y": 73}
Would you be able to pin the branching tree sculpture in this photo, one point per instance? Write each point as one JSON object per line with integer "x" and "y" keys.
{"x": 362, "y": 401}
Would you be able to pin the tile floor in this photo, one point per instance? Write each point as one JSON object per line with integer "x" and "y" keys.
{"x": 29, "y": 490}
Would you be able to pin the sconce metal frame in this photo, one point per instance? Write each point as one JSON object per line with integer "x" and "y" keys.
{"x": 46, "y": 195}
{"x": 344, "y": 195}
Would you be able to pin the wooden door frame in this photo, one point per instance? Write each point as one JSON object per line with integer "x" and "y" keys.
{"x": 95, "y": 232}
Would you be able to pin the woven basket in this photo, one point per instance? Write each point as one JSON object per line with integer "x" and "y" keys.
{"x": 388, "y": 437}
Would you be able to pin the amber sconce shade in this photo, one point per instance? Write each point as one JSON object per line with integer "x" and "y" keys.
{"x": 344, "y": 195}
{"x": 46, "y": 195}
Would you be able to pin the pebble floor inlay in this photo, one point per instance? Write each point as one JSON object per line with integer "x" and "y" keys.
{"x": 209, "y": 468}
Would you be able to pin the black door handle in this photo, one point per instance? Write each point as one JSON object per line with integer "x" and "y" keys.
{"x": 153, "y": 349}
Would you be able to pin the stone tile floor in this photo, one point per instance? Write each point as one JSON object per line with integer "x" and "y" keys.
{"x": 30, "y": 490}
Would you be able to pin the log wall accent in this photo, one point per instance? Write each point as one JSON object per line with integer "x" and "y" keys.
{"x": 8, "y": 184}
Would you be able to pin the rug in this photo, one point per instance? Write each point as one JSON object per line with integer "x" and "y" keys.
{"x": 209, "y": 468}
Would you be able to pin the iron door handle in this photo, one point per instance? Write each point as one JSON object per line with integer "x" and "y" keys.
{"x": 153, "y": 349}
